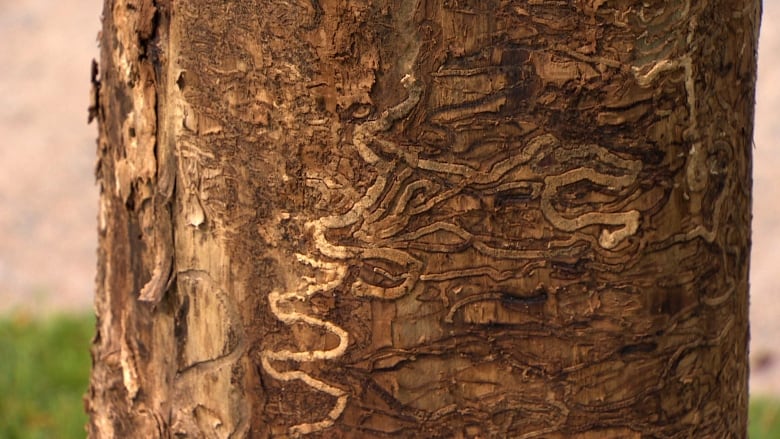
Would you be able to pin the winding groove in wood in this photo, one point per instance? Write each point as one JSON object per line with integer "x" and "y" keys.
{"x": 379, "y": 222}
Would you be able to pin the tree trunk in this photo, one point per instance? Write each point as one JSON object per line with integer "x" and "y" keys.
{"x": 423, "y": 218}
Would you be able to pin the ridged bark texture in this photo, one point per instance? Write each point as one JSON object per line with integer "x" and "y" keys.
{"x": 424, "y": 218}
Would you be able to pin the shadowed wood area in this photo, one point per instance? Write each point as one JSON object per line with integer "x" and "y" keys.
{"x": 449, "y": 218}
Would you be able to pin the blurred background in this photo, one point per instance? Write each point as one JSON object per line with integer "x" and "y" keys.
{"x": 48, "y": 205}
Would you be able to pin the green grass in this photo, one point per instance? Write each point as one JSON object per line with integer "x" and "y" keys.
{"x": 764, "y": 419}
{"x": 44, "y": 369}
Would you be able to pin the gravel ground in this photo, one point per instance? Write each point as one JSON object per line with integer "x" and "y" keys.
{"x": 764, "y": 270}
{"x": 47, "y": 215}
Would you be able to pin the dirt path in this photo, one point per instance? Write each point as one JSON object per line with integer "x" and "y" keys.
{"x": 47, "y": 212}
{"x": 765, "y": 257}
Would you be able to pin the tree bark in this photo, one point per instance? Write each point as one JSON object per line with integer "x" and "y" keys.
{"x": 423, "y": 218}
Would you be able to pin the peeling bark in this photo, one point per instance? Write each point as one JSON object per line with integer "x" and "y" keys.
{"x": 423, "y": 218}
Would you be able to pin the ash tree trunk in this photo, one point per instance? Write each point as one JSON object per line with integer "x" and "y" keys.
{"x": 423, "y": 218}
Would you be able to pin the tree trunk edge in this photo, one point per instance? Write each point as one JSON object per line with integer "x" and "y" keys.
{"x": 193, "y": 222}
